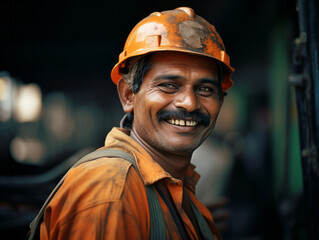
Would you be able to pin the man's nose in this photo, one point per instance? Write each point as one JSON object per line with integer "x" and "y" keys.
{"x": 188, "y": 100}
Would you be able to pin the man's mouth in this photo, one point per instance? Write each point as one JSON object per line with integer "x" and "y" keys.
{"x": 181, "y": 122}
{"x": 182, "y": 118}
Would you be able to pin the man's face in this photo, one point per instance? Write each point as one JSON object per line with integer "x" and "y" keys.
{"x": 178, "y": 102}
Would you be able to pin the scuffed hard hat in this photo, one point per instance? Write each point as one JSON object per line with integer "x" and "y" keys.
{"x": 179, "y": 30}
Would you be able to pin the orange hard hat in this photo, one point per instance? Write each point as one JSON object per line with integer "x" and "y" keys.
{"x": 178, "y": 30}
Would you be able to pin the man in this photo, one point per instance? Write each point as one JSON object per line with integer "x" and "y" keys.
{"x": 171, "y": 79}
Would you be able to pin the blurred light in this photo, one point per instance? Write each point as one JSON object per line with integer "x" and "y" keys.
{"x": 58, "y": 118}
{"x": 6, "y": 96}
{"x": 27, "y": 150}
{"x": 18, "y": 149}
{"x": 2, "y": 89}
{"x": 28, "y": 103}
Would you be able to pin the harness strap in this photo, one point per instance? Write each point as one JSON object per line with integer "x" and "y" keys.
{"x": 173, "y": 213}
{"x": 157, "y": 228}
{"x": 202, "y": 223}
{"x": 203, "y": 227}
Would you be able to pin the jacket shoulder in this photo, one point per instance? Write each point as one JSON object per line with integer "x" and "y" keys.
{"x": 94, "y": 182}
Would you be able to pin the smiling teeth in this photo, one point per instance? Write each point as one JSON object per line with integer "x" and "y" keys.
{"x": 182, "y": 122}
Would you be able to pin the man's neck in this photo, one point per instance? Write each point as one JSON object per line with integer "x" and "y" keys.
{"x": 173, "y": 164}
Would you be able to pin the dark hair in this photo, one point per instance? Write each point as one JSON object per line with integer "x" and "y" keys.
{"x": 135, "y": 72}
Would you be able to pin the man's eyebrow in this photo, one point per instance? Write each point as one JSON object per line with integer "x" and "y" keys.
{"x": 175, "y": 77}
{"x": 208, "y": 80}
{"x": 168, "y": 77}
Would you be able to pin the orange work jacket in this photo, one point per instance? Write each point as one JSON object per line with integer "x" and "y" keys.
{"x": 106, "y": 198}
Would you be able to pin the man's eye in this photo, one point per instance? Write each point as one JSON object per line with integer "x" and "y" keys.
{"x": 205, "y": 91}
{"x": 168, "y": 87}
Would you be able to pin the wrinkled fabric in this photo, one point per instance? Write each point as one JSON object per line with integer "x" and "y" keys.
{"x": 106, "y": 198}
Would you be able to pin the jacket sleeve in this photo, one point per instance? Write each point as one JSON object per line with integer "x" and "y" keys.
{"x": 92, "y": 208}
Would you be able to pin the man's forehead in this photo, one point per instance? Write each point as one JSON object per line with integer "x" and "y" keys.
{"x": 176, "y": 58}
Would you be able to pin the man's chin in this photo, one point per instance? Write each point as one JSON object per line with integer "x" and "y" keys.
{"x": 180, "y": 149}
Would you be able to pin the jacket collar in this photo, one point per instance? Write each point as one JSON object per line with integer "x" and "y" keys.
{"x": 150, "y": 170}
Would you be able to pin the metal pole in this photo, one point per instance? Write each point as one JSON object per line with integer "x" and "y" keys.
{"x": 306, "y": 81}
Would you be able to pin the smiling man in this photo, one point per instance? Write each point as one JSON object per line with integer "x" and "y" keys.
{"x": 175, "y": 108}
{"x": 171, "y": 79}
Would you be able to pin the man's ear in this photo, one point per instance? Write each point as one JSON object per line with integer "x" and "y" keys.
{"x": 126, "y": 95}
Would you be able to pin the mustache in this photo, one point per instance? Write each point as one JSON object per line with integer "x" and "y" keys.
{"x": 201, "y": 118}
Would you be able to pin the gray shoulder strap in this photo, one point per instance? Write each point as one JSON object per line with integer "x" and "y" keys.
{"x": 109, "y": 152}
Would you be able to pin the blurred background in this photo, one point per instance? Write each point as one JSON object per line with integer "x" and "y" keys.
{"x": 57, "y": 102}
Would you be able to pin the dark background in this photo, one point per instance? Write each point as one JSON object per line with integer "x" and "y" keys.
{"x": 69, "y": 47}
